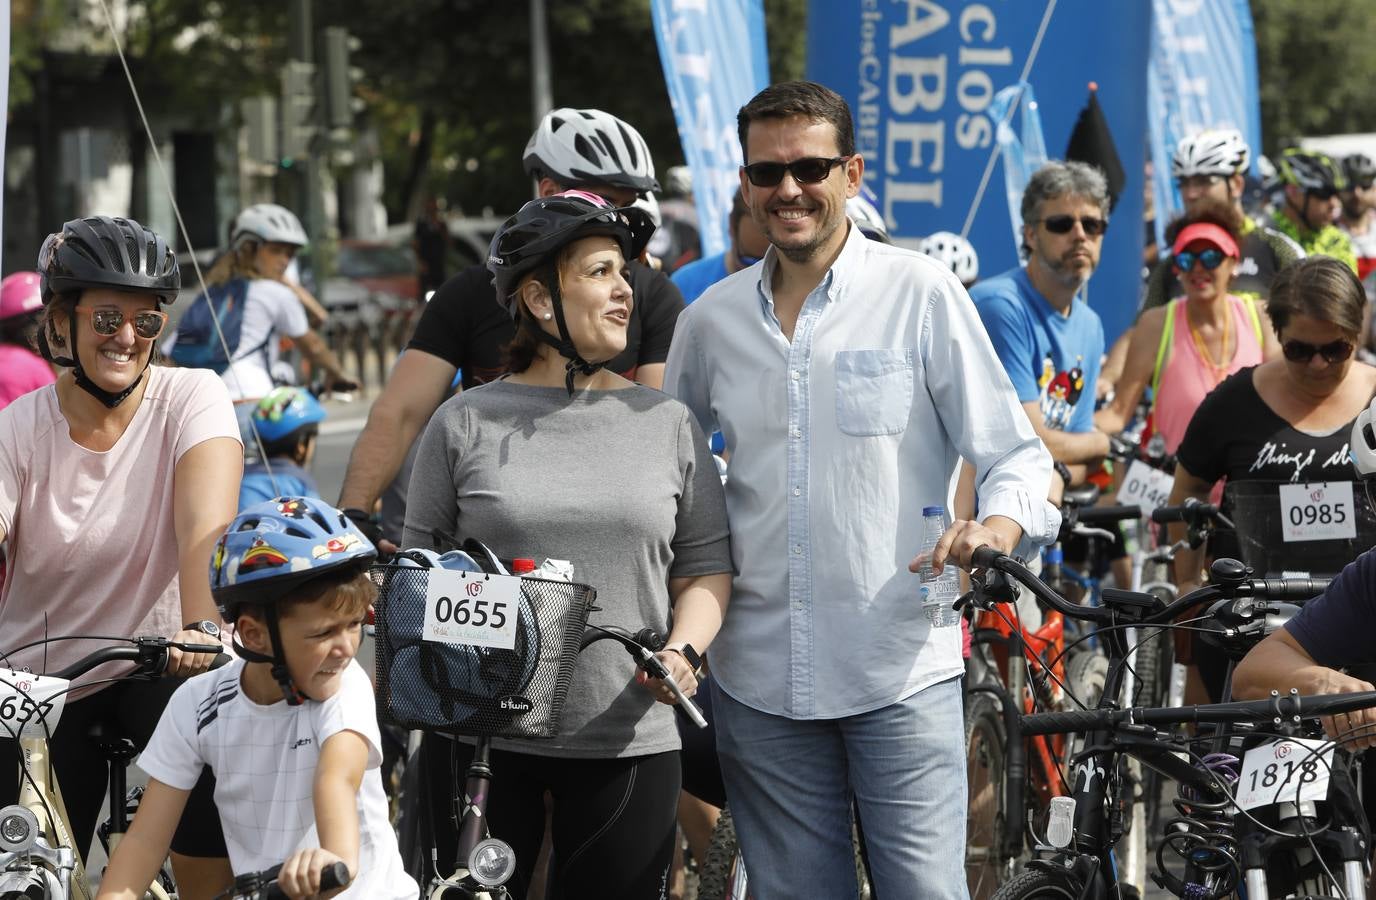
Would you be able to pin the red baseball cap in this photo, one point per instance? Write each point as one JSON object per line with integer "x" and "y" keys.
{"x": 1209, "y": 232}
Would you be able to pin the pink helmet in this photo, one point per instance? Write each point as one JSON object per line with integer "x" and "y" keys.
{"x": 20, "y": 295}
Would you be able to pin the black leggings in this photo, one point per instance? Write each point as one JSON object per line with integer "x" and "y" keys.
{"x": 130, "y": 709}
{"x": 613, "y": 826}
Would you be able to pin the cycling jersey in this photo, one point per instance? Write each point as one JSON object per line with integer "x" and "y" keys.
{"x": 1364, "y": 245}
{"x": 1327, "y": 241}
{"x": 465, "y": 326}
{"x": 1263, "y": 252}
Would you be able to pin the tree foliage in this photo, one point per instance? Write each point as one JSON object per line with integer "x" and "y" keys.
{"x": 1316, "y": 68}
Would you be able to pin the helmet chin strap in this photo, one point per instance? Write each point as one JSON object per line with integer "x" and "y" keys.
{"x": 83, "y": 381}
{"x": 563, "y": 344}
{"x": 278, "y": 660}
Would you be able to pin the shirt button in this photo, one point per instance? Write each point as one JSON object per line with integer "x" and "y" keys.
{"x": 794, "y": 375}
{"x": 797, "y": 549}
{"x": 797, "y": 492}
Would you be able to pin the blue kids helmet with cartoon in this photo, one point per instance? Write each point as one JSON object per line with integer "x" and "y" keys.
{"x": 275, "y": 546}
{"x": 284, "y": 411}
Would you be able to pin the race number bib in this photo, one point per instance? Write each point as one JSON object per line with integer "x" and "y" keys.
{"x": 1284, "y": 771}
{"x": 471, "y": 608}
{"x": 30, "y": 705}
{"x": 1145, "y": 487}
{"x": 1319, "y": 511}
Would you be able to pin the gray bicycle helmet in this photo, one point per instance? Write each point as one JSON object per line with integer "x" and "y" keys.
{"x": 1358, "y": 167}
{"x": 587, "y": 146}
{"x": 269, "y": 222}
{"x": 1311, "y": 171}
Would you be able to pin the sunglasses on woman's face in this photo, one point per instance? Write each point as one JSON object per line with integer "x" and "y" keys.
{"x": 1063, "y": 224}
{"x": 1210, "y": 259}
{"x": 804, "y": 171}
{"x": 106, "y": 320}
{"x": 1301, "y": 352}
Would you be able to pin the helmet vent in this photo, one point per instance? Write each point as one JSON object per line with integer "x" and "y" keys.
{"x": 116, "y": 258}
{"x": 249, "y": 524}
{"x": 1369, "y": 435}
{"x": 297, "y": 532}
{"x": 132, "y": 245}
{"x": 630, "y": 147}
{"x": 320, "y": 520}
{"x": 585, "y": 150}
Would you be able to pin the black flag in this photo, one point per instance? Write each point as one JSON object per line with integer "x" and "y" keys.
{"x": 1091, "y": 142}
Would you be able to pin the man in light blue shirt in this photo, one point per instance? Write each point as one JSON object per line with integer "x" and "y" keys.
{"x": 848, "y": 377}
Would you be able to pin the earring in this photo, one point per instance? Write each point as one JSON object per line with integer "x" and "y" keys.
{"x": 548, "y": 316}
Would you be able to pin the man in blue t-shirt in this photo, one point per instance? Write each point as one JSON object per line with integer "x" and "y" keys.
{"x": 748, "y": 244}
{"x": 1050, "y": 342}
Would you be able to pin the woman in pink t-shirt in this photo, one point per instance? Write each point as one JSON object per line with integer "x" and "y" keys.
{"x": 115, "y": 482}
{"x": 1185, "y": 349}
{"x": 21, "y": 369}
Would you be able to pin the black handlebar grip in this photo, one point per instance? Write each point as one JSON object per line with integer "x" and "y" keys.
{"x": 1107, "y": 515}
{"x": 984, "y": 557}
{"x": 1289, "y": 589}
{"x": 1187, "y": 512}
{"x": 335, "y": 875}
{"x": 1065, "y": 722}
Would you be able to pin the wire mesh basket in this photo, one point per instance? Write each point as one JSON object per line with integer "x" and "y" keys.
{"x": 477, "y": 690}
{"x": 1255, "y": 508}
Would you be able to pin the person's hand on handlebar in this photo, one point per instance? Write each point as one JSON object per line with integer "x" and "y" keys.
{"x": 965, "y": 536}
{"x": 679, "y": 669}
{"x": 299, "y": 877}
{"x": 181, "y": 664}
{"x": 1345, "y": 727}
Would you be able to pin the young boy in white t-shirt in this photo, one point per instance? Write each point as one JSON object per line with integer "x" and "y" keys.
{"x": 289, "y": 730}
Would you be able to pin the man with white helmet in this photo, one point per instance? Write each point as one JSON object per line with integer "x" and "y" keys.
{"x": 465, "y": 328}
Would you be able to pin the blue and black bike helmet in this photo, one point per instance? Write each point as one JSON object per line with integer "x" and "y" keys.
{"x": 273, "y": 548}
{"x": 284, "y": 416}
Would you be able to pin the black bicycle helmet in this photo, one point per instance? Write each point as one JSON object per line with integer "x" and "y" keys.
{"x": 1311, "y": 171}
{"x": 103, "y": 252}
{"x": 531, "y": 239}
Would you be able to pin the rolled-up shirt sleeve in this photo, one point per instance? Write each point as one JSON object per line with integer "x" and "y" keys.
{"x": 982, "y": 415}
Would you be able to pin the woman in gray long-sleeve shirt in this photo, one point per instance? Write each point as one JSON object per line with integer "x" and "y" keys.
{"x": 565, "y": 460}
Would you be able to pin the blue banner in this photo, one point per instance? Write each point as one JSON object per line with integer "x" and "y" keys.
{"x": 1203, "y": 74}
{"x": 714, "y": 59}
{"x": 921, "y": 76}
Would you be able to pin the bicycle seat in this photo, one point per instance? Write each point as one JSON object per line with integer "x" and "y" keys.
{"x": 1086, "y": 494}
{"x": 111, "y": 743}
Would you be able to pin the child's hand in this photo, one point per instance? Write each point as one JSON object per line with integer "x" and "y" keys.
{"x": 299, "y": 877}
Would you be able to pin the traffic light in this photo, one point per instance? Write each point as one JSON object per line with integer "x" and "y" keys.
{"x": 298, "y": 109}
{"x": 340, "y": 78}
{"x": 260, "y": 123}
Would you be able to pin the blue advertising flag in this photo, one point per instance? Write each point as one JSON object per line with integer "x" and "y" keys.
{"x": 1203, "y": 74}
{"x": 921, "y": 77}
{"x": 714, "y": 59}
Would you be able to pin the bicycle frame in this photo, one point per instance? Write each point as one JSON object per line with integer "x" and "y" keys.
{"x": 42, "y": 797}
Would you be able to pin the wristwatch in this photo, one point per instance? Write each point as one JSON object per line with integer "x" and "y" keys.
{"x": 205, "y": 627}
{"x": 690, "y": 654}
{"x": 364, "y": 522}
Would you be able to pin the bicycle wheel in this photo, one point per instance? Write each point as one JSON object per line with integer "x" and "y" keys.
{"x": 714, "y": 872}
{"x": 1085, "y": 674}
{"x": 985, "y": 758}
{"x": 1039, "y": 885}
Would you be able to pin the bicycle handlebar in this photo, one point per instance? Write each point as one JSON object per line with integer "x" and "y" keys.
{"x": 642, "y": 646}
{"x": 263, "y": 885}
{"x": 150, "y": 652}
{"x": 1107, "y": 515}
{"x": 1277, "y": 706}
{"x": 1191, "y": 512}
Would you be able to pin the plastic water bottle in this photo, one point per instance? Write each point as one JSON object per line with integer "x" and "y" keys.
{"x": 939, "y": 592}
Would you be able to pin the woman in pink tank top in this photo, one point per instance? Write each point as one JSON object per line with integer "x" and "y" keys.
{"x": 1185, "y": 349}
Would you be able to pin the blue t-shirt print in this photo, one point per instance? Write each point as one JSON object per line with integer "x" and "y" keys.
{"x": 1051, "y": 359}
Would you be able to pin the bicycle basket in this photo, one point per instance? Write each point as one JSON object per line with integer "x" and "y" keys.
{"x": 1254, "y": 507}
{"x": 471, "y": 690}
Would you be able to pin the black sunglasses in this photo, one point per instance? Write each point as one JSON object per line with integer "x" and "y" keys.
{"x": 106, "y": 320}
{"x": 1210, "y": 259}
{"x": 804, "y": 171}
{"x": 1063, "y": 224}
{"x": 1324, "y": 193}
{"x": 1302, "y": 352}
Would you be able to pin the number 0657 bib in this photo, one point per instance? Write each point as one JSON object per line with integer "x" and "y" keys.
{"x": 1318, "y": 511}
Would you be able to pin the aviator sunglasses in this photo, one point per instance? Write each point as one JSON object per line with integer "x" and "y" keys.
{"x": 1062, "y": 224}
{"x": 106, "y": 320}
{"x": 804, "y": 171}
{"x": 1302, "y": 352}
{"x": 1210, "y": 259}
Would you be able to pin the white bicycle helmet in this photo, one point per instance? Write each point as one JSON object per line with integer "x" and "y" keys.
{"x": 1363, "y": 443}
{"x": 269, "y": 222}
{"x": 587, "y": 146}
{"x": 954, "y": 252}
{"x": 867, "y": 218}
{"x": 1215, "y": 152}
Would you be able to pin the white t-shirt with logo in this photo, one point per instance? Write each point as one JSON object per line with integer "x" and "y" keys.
{"x": 264, "y": 760}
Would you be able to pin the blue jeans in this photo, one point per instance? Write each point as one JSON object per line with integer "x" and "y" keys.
{"x": 789, "y": 783}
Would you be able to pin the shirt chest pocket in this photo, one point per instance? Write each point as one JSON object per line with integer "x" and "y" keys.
{"x": 874, "y": 391}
